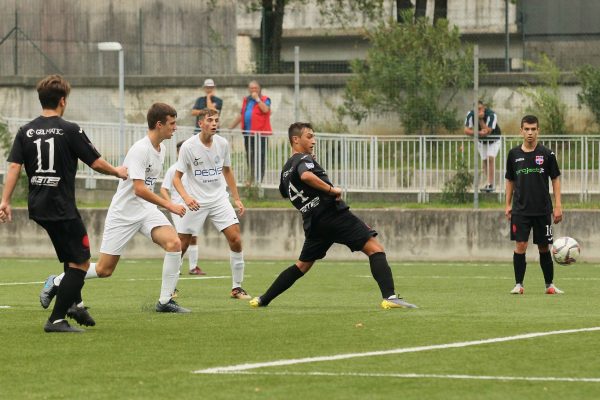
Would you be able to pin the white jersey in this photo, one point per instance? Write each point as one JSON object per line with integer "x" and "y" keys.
{"x": 143, "y": 162}
{"x": 168, "y": 184}
{"x": 203, "y": 167}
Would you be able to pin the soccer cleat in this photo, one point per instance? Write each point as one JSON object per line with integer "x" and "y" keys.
{"x": 553, "y": 290}
{"x": 239, "y": 293}
{"x": 81, "y": 315}
{"x": 61, "y": 326}
{"x": 397, "y": 302}
{"x": 196, "y": 271}
{"x": 171, "y": 307}
{"x": 48, "y": 291}
{"x": 518, "y": 289}
{"x": 255, "y": 302}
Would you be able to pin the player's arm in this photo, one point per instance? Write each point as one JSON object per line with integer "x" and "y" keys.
{"x": 104, "y": 167}
{"x": 165, "y": 193}
{"x": 510, "y": 185}
{"x": 178, "y": 185}
{"x": 557, "y": 200}
{"x": 316, "y": 183}
{"x": 12, "y": 177}
{"x": 230, "y": 179}
{"x": 141, "y": 190}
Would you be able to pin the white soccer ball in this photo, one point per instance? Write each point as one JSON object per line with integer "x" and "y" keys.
{"x": 565, "y": 250}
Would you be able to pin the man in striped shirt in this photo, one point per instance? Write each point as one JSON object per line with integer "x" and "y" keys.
{"x": 489, "y": 140}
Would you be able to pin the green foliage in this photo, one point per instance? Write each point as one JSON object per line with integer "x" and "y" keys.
{"x": 412, "y": 69}
{"x": 545, "y": 99}
{"x": 6, "y": 140}
{"x": 5, "y": 137}
{"x": 456, "y": 188}
{"x": 590, "y": 89}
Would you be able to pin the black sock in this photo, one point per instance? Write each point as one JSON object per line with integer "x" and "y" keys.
{"x": 520, "y": 265}
{"x": 78, "y": 298}
{"x": 547, "y": 267}
{"x": 381, "y": 271}
{"x": 67, "y": 293}
{"x": 282, "y": 283}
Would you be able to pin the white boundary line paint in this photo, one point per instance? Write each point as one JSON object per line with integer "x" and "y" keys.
{"x": 295, "y": 361}
{"x": 195, "y": 278}
{"x": 422, "y": 376}
{"x": 493, "y": 278}
{"x": 5, "y": 307}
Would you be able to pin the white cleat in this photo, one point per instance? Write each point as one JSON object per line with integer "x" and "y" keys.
{"x": 518, "y": 289}
{"x": 553, "y": 290}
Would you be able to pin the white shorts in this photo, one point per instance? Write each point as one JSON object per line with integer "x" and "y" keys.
{"x": 488, "y": 149}
{"x": 221, "y": 214}
{"x": 118, "y": 232}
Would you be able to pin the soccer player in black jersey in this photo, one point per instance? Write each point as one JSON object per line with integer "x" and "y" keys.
{"x": 327, "y": 220}
{"x": 49, "y": 147}
{"x": 528, "y": 203}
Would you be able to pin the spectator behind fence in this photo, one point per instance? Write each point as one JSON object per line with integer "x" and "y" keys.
{"x": 210, "y": 101}
{"x": 255, "y": 117}
{"x": 489, "y": 140}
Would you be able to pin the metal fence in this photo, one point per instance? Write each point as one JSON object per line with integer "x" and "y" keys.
{"x": 411, "y": 164}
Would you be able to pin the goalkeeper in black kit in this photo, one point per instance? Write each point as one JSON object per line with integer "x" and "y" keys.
{"x": 327, "y": 220}
{"x": 529, "y": 166}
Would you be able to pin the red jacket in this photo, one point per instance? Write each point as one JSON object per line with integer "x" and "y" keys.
{"x": 260, "y": 121}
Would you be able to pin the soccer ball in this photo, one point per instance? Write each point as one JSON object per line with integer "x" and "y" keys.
{"x": 565, "y": 250}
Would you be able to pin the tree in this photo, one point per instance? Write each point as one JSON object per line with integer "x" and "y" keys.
{"x": 413, "y": 69}
{"x": 590, "y": 89}
{"x": 545, "y": 98}
{"x": 273, "y": 11}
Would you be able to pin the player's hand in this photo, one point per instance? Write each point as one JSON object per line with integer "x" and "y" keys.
{"x": 192, "y": 204}
{"x": 240, "y": 207}
{"x": 557, "y": 214}
{"x": 122, "y": 172}
{"x": 177, "y": 209}
{"x": 5, "y": 213}
{"x": 337, "y": 192}
{"x": 508, "y": 212}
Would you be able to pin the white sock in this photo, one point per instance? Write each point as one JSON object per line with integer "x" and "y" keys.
{"x": 237, "y": 268}
{"x": 193, "y": 256}
{"x": 58, "y": 279}
{"x": 170, "y": 275}
{"x": 91, "y": 272}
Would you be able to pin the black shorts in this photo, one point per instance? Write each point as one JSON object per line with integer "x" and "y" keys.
{"x": 335, "y": 227}
{"x": 521, "y": 225}
{"x": 69, "y": 238}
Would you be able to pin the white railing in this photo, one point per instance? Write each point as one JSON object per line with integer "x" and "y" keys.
{"x": 420, "y": 164}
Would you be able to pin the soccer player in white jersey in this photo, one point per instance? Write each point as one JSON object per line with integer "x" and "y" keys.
{"x": 133, "y": 209}
{"x": 169, "y": 193}
{"x": 205, "y": 160}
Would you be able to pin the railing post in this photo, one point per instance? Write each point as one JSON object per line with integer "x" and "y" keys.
{"x": 374, "y": 163}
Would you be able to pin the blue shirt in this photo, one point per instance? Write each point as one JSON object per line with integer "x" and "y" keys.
{"x": 248, "y": 111}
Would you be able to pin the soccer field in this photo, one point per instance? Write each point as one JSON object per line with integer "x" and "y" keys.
{"x": 326, "y": 338}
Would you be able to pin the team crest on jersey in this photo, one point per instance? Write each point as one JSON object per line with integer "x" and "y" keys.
{"x": 539, "y": 160}
{"x": 217, "y": 159}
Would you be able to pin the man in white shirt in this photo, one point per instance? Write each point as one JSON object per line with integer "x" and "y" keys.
{"x": 134, "y": 209}
{"x": 168, "y": 192}
{"x": 206, "y": 162}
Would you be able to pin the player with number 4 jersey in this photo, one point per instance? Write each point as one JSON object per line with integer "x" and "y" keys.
{"x": 50, "y": 147}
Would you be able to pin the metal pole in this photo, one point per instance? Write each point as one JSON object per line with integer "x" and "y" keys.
{"x": 122, "y": 104}
{"x": 16, "y": 48}
{"x": 475, "y": 125}
{"x": 141, "y": 41}
{"x": 296, "y": 83}
{"x": 507, "y": 45}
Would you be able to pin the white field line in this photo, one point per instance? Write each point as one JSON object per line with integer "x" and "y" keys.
{"x": 295, "y": 361}
{"x": 5, "y": 306}
{"x": 126, "y": 280}
{"x": 494, "y": 278}
{"x": 422, "y": 376}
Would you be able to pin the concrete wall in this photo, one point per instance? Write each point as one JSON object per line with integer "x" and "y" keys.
{"x": 97, "y": 100}
{"x": 432, "y": 235}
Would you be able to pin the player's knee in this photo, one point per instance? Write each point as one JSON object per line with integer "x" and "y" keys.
{"x": 103, "y": 272}
{"x": 172, "y": 244}
{"x": 521, "y": 247}
{"x": 235, "y": 243}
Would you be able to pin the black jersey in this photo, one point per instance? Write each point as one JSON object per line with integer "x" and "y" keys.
{"x": 49, "y": 147}
{"x": 309, "y": 201}
{"x": 530, "y": 172}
